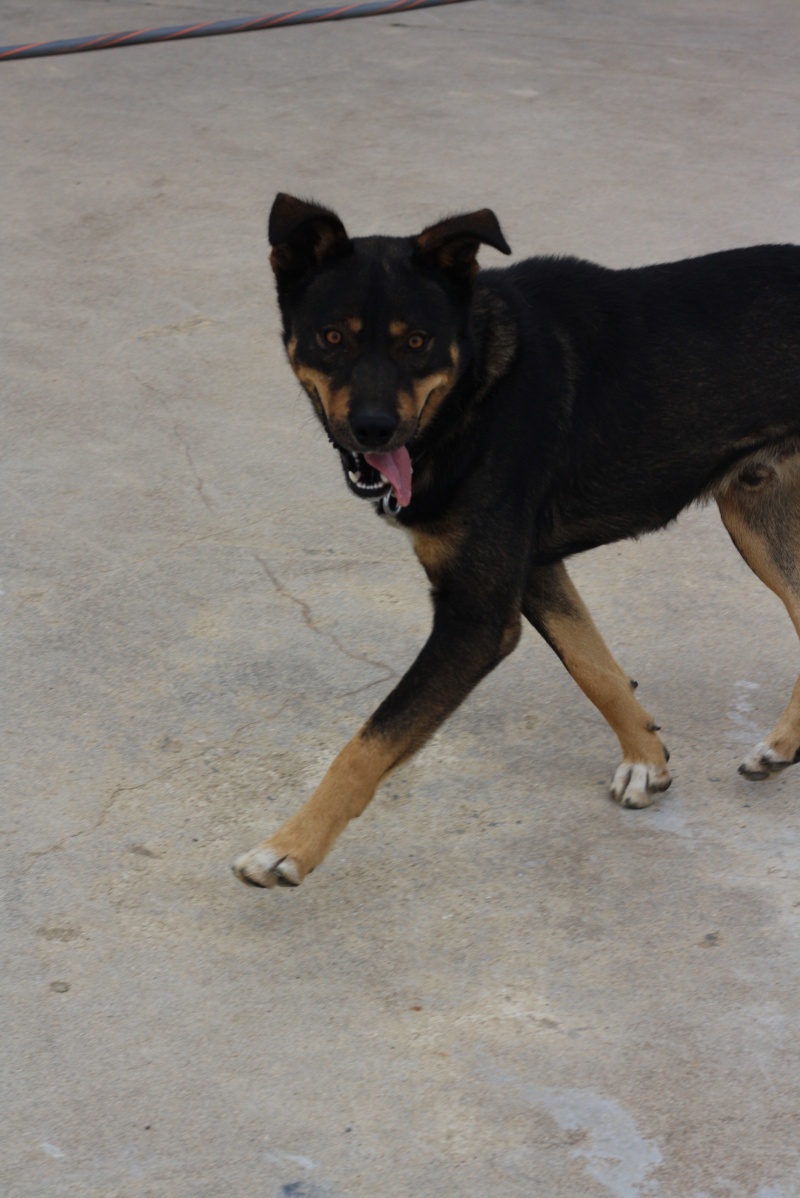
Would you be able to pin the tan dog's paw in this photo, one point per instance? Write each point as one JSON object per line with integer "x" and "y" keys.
{"x": 265, "y": 868}
{"x": 763, "y": 761}
{"x": 636, "y": 784}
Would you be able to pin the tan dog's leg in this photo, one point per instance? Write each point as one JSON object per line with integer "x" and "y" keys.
{"x": 556, "y": 610}
{"x": 761, "y": 511}
{"x": 304, "y": 840}
{"x": 459, "y": 652}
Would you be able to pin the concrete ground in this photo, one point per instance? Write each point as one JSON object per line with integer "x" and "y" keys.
{"x": 499, "y": 983}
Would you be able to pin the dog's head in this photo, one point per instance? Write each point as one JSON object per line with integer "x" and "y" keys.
{"x": 376, "y": 330}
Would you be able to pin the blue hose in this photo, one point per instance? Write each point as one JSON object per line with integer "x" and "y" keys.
{"x": 307, "y": 16}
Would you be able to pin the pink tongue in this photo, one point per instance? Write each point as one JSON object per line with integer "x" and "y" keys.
{"x": 396, "y": 466}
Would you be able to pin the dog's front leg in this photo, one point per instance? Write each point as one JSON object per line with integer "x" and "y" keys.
{"x": 556, "y": 610}
{"x": 464, "y": 645}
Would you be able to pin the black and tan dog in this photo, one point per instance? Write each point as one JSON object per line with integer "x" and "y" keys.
{"x": 510, "y": 418}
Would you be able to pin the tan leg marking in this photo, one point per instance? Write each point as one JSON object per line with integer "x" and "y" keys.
{"x": 573, "y": 634}
{"x": 437, "y": 545}
{"x": 763, "y": 520}
{"x": 303, "y": 841}
{"x": 430, "y": 391}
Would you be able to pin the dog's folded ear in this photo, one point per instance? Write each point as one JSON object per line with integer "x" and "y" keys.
{"x": 303, "y": 235}
{"x": 452, "y": 245}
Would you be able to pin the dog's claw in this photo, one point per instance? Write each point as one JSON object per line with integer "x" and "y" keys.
{"x": 265, "y": 868}
{"x": 762, "y": 762}
{"x": 636, "y": 784}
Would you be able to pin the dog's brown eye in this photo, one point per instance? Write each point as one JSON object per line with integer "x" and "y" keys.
{"x": 332, "y": 337}
{"x": 416, "y": 341}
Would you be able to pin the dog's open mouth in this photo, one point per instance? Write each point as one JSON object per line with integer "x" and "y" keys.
{"x": 381, "y": 476}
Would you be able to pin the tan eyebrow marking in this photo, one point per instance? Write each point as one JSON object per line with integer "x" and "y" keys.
{"x": 398, "y": 327}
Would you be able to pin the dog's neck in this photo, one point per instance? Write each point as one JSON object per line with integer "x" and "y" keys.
{"x": 495, "y": 335}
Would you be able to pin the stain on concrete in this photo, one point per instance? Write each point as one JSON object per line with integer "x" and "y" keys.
{"x": 599, "y": 1132}
{"x": 739, "y": 714}
{"x": 614, "y": 1149}
{"x": 62, "y": 934}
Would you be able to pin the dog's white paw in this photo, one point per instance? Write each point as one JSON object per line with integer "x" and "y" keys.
{"x": 762, "y": 762}
{"x": 265, "y": 868}
{"x": 636, "y": 784}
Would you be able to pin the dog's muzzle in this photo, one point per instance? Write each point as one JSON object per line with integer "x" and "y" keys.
{"x": 368, "y": 483}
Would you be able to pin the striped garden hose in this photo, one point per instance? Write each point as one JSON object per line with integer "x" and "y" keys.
{"x": 301, "y": 16}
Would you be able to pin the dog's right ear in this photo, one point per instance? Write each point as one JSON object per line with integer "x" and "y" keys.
{"x": 303, "y": 235}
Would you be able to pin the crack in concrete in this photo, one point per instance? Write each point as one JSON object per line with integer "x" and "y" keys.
{"x": 198, "y": 481}
{"x": 30, "y": 597}
{"x": 178, "y": 435}
{"x": 365, "y": 687}
{"x": 103, "y": 572}
{"x": 308, "y": 620}
{"x": 37, "y": 854}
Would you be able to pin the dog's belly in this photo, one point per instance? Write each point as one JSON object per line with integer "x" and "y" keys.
{"x": 558, "y": 537}
{"x": 597, "y": 513}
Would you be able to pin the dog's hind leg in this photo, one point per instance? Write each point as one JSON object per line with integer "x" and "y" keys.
{"x": 556, "y": 610}
{"x": 760, "y": 508}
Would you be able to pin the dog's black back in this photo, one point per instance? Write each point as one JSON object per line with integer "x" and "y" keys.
{"x": 634, "y": 391}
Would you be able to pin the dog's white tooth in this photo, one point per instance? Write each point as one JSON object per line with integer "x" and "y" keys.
{"x": 353, "y": 475}
{"x": 385, "y": 479}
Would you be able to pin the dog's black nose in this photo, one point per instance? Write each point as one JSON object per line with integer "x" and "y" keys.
{"x": 373, "y": 429}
